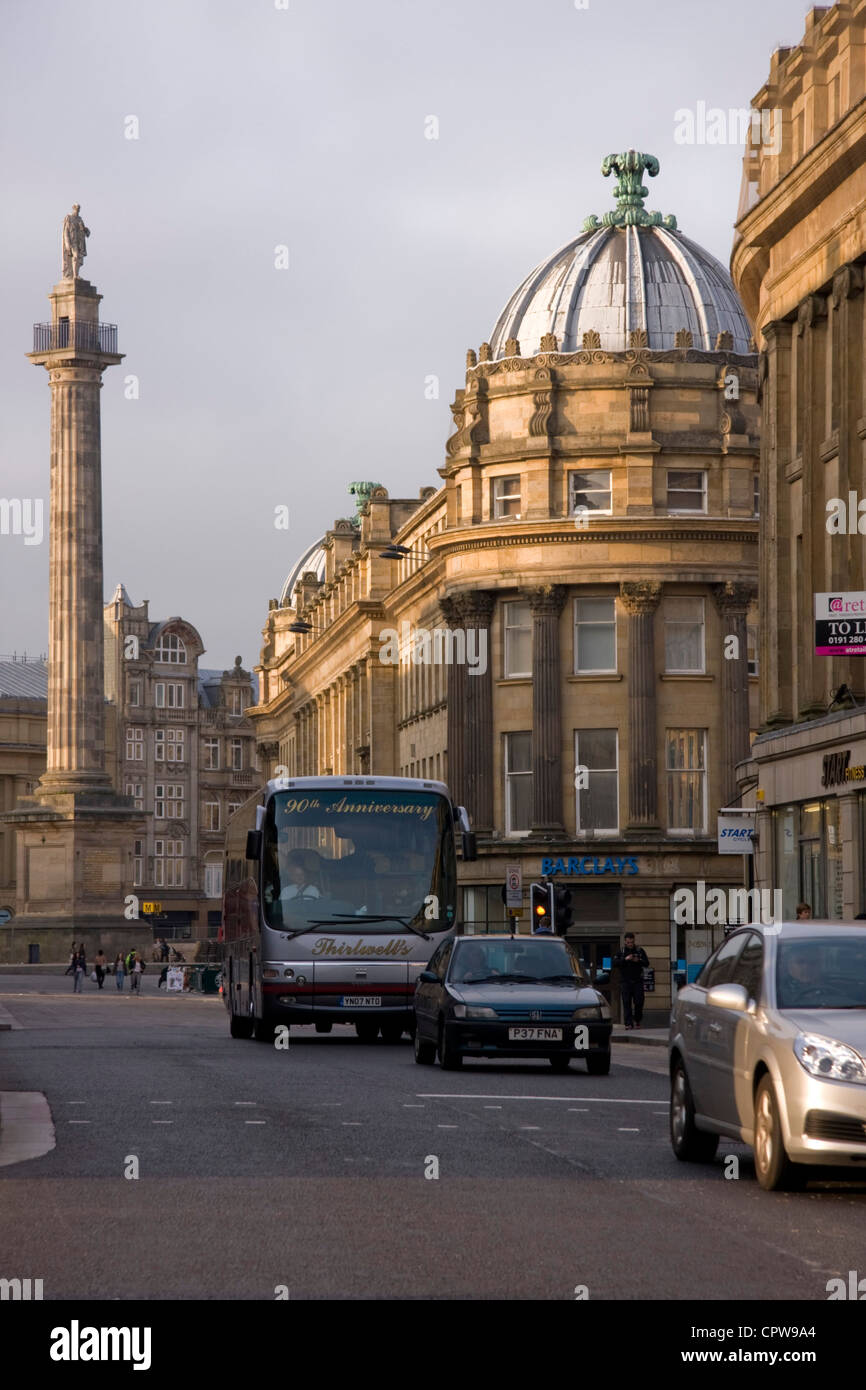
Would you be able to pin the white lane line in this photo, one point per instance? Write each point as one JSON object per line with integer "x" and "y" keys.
{"x": 161, "y": 1102}
{"x": 352, "y": 1124}
{"x": 660, "y": 1112}
{"x": 76, "y": 1102}
{"x": 627, "y": 1129}
{"x": 582, "y": 1111}
{"x": 78, "y": 1122}
{"x": 162, "y": 1122}
{"x": 245, "y": 1102}
{"x": 446, "y": 1126}
{"x": 406, "y": 1106}
{"x": 530, "y": 1127}
{"x": 255, "y": 1122}
{"x": 563, "y": 1100}
{"x": 493, "y": 1107}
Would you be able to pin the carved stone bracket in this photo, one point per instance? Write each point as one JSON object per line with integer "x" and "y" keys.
{"x": 812, "y": 309}
{"x": 847, "y": 283}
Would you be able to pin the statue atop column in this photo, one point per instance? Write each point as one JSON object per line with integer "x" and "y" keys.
{"x": 75, "y": 236}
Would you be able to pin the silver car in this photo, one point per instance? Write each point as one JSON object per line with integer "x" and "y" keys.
{"x": 769, "y": 1046}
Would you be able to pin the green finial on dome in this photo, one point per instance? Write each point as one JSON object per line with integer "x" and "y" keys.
{"x": 630, "y": 193}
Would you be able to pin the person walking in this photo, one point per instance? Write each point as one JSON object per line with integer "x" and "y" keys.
{"x": 631, "y": 962}
{"x": 135, "y": 973}
{"x": 73, "y": 952}
{"x": 100, "y": 965}
{"x": 119, "y": 970}
{"x": 163, "y": 950}
{"x": 79, "y": 966}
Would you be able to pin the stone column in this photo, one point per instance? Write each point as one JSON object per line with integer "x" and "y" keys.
{"x": 470, "y": 704}
{"x": 733, "y": 600}
{"x": 640, "y": 601}
{"x": 546, "y": 604}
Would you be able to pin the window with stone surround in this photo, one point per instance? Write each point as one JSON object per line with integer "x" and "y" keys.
{"x": 687, "y": 490}
{"x": 169, "y": 864}
{"x": 517, "y": 628}
{"x": 138, "y": 864}
{"x": 169, "y": 695}
{"x": 213, "y": 880}
{"x": 169, "y": 745}
{"x": 168, "y": 801}
{"x": 686, "y": 774}
{"x": 684, "y": 635}
{"x": 134, "y": 697}
{"x": 596, "y": 763}
{"x": 211, "y": 819}
{"x": 211, "y": 750}
{"x": 594, "y": 635}
{"x": 518, "y": 783}
{"x": 170, "y": 649}
{"x": 590, "y": 490}
{"x": 236, "y": 754}
{"x": 136, "y": 791}
{"x": 134, "y": 745}
{"x": 505, "y": 497}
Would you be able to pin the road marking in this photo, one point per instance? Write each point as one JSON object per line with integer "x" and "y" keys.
{"x": 661, "y": 1112}
{"x": 245, "y": 1102}
{"x": 407, "y": 1106}
{"x": 626, "y": 1129}
{"x": 582, "y": 1111}
{"x": 255, "y": 1122}
{"x": 563, "y": 1100}
{"x": 78, "y": 1122}
{"x": 530, "y": 1127}
{"x": 161, "y": 1102}
{"x": 76, "y": 1102}
{"x": 493, "y": 1107}
{"x": 446, "y": 1126}
{"x": 352, "y": 1124}
{"x": 162, "y": 1122}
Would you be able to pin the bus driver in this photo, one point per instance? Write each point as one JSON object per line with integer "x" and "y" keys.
{"x": 301, "y": 868}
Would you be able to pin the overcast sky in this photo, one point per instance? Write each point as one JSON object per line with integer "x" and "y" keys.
{"x": 306, "y": 127}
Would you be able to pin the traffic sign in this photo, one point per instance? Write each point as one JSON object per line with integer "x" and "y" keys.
{"x": 151, "y": 909}
{"x": 513, "y": 887}
{"x": 5, "y": 915}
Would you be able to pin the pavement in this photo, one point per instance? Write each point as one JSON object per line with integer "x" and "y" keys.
{"x": 189, "y": 1165}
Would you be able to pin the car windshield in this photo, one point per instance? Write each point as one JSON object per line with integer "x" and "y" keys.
{"x": 477, "y": 961}
{"x": 364, "y": 860}
{"x": 829, "y": 973}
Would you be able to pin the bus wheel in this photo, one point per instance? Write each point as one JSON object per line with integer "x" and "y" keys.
{"x": 324, "y": 1025}
{"x": 392, "y": 1032}
{"x": 240, "y": 1027}
{"x": 367, "y": 1031}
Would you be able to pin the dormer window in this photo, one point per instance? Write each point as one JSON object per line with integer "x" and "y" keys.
{"x": 170, "y": 649}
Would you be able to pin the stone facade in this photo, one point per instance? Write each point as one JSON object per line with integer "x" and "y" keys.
{"x": 798, "y": 264}
{"x": 23, "y": 711}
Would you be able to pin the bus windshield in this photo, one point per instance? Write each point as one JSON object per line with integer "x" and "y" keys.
{"x": 347, "y": 858}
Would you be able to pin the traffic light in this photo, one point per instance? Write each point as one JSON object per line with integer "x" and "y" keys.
{"x": 562, "y": 914}
{"x": 541, "y": 906}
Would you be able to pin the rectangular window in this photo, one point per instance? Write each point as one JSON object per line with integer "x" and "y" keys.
{"x": 236, "y": 754}
{"x": 596, "y": 779}
{"x": 168, "y": 801}
{"x": 237, "y": 701}
{"x": 518, "y": 783}
{"x": 684, "y": 635}
{"x": 594, "y": 635}
{"x": 518, "y": 639}
{"x": 687, "y": 491}
{"x": 169, "y": 695}
{"x": 211, "y": 815}
{"x": 590, "y": 491}
{"x": 136, "y": 790}
{"x": 213, "y": 880}
{"x": 134, "y": 745}
{"x": 135, "y": 692}
{"x": 685, "y": 764}
{"x": 752, "y": 638}
{"x": 169, "y": 864}
{"x": 138, "y": 864}
{"x": 211, "y": 754}
{"x": 756, "y": 495}
{"x": 505, "y": 497}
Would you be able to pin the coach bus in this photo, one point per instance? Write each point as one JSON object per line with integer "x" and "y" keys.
{"x": 337, "y": 892}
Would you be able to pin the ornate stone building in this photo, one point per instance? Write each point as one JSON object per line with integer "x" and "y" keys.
{"x": 180, "y": 745}
{"x": 23, "y": 711}
{"x": 798, "y": 263}
{"x": 562, "y": 605}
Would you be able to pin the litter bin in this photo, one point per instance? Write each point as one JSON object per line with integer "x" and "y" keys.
{"x": 209, "y": 979}
{"x": 33, "y": 953}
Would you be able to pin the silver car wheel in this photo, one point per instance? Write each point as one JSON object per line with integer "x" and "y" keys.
{"x": 678, "y": 1106}
{"x": 764, "y": 1125}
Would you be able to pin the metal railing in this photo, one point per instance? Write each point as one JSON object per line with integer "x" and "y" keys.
{"x": 80, "y": 337}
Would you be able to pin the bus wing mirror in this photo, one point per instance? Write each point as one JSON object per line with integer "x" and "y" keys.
{"x": 470, "y": 847}
{"x": 254, "y": 844}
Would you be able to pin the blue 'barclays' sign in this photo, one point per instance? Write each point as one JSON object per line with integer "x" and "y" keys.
{"x": 589, "y": 864}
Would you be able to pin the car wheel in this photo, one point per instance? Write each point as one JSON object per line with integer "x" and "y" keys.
{"x": 323, "y": 1026}
{"x": 449, "y": 1058}
{"x": 690, "y": 1144}
{"x": 425, "y": 1052}
{"x": 773, "y": 1168}
{"x": 598, "y": 1063}
{"x": 559, "y": 1063}
{"x": 367, "y": 1031}
{"x": 240, "y": 1027}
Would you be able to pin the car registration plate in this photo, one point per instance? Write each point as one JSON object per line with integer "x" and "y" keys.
{"x": 535, "y": 1034}
{"x": 361, "y": 1001}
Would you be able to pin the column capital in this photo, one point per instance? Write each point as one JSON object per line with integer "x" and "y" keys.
{"x": 468, "y": 607}
{"x": 640, "y": 596}
{"x": 847, "y": 283}
{"x": 810, "y": 310}
{"x": 734, "y": 597}
{"x": 547, "y": 601}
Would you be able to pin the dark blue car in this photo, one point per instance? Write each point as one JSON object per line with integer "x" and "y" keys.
{"x": 509, "y": 996}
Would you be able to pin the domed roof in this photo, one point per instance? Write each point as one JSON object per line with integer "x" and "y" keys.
{"x": 312, "y": 559}
{"x": 629, "y": 270}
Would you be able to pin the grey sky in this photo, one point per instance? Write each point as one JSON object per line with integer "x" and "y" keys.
{"x": 306, "y": 127}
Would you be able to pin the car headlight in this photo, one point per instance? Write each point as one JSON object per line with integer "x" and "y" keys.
{"x": 587, "y": 1013}
{"x": 828, "y": 1059}
{"x": 467, "y": 1011}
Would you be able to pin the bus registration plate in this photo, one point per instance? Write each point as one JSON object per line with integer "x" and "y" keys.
{"x": 362, "y": 1001}
{"x": 535, "y": 1034}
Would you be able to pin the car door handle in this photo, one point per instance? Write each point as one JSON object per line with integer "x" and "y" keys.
{"x": 714, "y": 1028}
{"x": 690, "y": 1018}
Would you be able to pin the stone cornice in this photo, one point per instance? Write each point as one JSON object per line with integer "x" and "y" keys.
{"x": 627, "y": 530}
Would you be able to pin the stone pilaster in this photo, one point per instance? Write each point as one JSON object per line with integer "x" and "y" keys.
{"x": 733, "y": 600}
{"x": 470, "y": 706}
{"x": 546, "y": 604}
{"x": 640, "y": 601}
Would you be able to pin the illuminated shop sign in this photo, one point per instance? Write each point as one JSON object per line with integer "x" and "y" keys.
{"x": 837, "y": 769}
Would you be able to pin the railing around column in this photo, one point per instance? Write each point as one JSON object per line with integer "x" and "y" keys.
{"x": 83, "y": 337}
